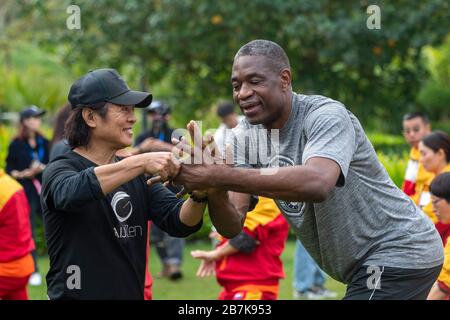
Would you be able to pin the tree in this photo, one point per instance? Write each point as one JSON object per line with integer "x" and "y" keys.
{"x": 184, "y": 48}
{"x": 435, "y": 94}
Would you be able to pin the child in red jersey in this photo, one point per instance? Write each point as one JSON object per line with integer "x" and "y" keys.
{"x": 16, "y": 243}
{"x": 248, "y": 266}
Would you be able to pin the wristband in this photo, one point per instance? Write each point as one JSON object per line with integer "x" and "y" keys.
{"x": 198, "y": 199}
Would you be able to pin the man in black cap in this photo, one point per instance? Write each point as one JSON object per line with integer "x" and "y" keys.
{"x": 158, "y": 138}
{"x": 96, "y": 205}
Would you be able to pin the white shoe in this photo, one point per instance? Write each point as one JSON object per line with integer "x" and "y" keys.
{"x": 311, "y": 295}
{"x": 328, "y": 294}
{"x": 308, "y": 295}
{"x": 35, "y": 279}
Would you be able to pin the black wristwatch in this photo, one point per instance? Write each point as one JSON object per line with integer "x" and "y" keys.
{"x": 198, "y": 199}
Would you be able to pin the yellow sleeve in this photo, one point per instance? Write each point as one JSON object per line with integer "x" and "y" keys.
{"x": 265, "y": 211}
{"x": 444, "y": 276}
{"x": 8, "y": 187}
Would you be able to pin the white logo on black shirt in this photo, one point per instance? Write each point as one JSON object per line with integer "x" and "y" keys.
{"x": 121, "y": 204}
{"x": 122, "y": 207}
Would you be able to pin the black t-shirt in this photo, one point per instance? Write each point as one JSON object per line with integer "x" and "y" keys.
{"x": 101, "y": 239}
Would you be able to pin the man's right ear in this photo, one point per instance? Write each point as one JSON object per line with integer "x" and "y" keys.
{"x": 89, "y": 117}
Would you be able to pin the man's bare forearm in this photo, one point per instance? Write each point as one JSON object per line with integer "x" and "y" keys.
{"x": 192, "y": 212}
{"x": 291, "y": 184}
{"x": 224, "y": 215}
{"x": 111, "y": 176}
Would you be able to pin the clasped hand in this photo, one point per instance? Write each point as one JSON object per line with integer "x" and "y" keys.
{"x": 194, "y": 160}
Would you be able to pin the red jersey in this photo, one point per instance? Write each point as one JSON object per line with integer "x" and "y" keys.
{"x": 16, "y": 242}
{"x": 263, "y": 265}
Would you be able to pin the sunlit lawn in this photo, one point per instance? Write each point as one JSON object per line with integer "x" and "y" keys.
{"x": 191, "y": 287}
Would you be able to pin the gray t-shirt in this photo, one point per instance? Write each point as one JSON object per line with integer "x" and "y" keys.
{"x": 366, "y": 219}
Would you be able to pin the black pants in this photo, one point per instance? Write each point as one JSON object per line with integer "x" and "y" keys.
{"x": 386, "y": 283}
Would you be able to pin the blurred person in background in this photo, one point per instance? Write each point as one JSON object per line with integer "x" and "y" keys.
{"x": 440, "y": 198}
{"x": 229, "y": 120}
{"x": 416, "y": 126}
{"x": 27, "y": 157}
{"x": 59, "y": 144}
{"x": 158, "y": 138}
{"x": 309, "y": 279}
{"x": 435, "y": 158}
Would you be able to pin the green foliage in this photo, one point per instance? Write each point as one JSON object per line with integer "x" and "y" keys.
{"x": 444, "y": 126}
{"x": 6, "y": 134}
{"x": 32, "y": 77}
{"x": 435, "y": 94}
{"x": 184, "y": 49}
{"x": 395, "y": 166}
{"x": 387, "y": 143}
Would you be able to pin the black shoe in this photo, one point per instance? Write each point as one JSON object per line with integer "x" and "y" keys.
{"x": 176, "y": 275}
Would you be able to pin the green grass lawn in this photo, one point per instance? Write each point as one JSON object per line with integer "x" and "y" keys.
{"x": 191, "y": 287}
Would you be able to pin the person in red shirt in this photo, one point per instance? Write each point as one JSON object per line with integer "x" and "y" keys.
{"x": 16, "y": 243}
{"x": 248, "y": 266}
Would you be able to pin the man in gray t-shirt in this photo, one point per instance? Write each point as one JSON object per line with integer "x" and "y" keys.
{"x": 325, "y": 176}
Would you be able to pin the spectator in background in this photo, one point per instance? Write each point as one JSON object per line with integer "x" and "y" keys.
{"x": 16, "y": 243}
{"x": 440, "y": 195}
{"x": 229, "y": 119}
{"x": 248, "y": 266}
{"x": 435, "y": 158}
{"x": 416, "y": 126}
{"x": 309, "y": 279}
{"x": 59, "y": 144}
{"x": 28, "y": 154}
{"x": 158, "y": 138}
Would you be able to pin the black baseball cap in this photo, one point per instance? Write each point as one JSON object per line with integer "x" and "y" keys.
{"x": 158, "y": 107}
{"x": 106, "y": 85}
{"x": 31, "y": 111}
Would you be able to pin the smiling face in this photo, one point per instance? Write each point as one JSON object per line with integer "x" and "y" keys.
{"x": 432, "y": 161}
{"x": 116, "y": 128}
{"x": 263, "y": 94}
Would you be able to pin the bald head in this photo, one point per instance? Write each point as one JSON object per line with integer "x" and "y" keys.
{"x": 269, "y": 49}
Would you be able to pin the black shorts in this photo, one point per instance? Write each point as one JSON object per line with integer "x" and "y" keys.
{"x": 386, "y": 283}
